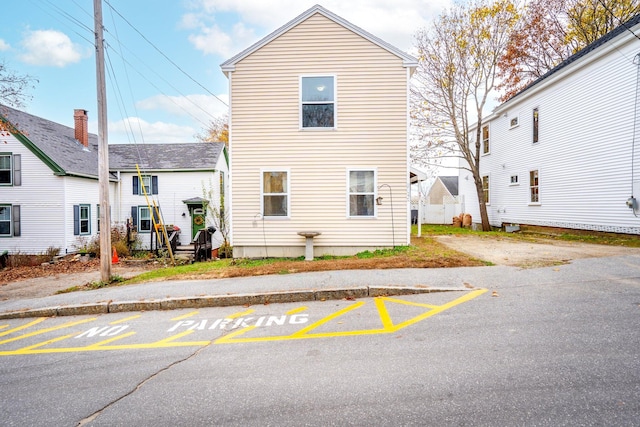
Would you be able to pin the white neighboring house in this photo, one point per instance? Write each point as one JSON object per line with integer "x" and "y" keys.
{"x": 318, "y": 133}
{"x": 178, "y": 178}
{"x": 48, "y": 184}
{"x": 49, "y": 192}
{"x": 561, "y": 153}
{"x": 443, "y": 201}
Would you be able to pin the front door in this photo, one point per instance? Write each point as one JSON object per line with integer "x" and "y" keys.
{"x": 197, "y": 221}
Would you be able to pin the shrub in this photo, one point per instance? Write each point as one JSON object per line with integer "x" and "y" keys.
{"x": 118, "y": 241}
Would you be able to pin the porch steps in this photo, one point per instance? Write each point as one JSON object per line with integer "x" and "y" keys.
{"x": 184, "y": 252}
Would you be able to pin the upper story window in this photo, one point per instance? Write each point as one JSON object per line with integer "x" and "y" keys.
{"x": 535, "y": 125}
{"x": 362, "y": 193}
{"x": 317, "y": 101}
{"x": 485, "y": 139}
{"x": 514, "y": 122}
{"x": 275, "y": 194}
{"x": 10, "y": 173}
{"x": 149, "y": 184}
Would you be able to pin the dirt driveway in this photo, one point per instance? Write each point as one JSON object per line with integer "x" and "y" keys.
{"x": 518, "y": 253}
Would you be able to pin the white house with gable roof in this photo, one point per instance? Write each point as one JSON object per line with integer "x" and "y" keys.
{"x": 563, "y": 152}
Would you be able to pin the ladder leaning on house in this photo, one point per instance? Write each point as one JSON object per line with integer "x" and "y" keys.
{"x": 159, "y": 229}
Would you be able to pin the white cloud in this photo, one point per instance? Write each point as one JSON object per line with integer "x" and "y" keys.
{"x": 4, "y": 45}
{"x": 394, "y": 22}
{"x": 211, "y": 39}
{"x": 51, "y": 48}
{"x": 152, "y": 133}
{"x": 202, "y": 108}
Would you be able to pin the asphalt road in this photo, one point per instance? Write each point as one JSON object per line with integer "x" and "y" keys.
{"x": 561, "y": 349}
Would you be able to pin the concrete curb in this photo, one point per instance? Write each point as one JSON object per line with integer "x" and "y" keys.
{"x": 223, "y": 301}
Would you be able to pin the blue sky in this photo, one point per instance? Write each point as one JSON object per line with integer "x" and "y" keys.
{"x": 149, "y": 99}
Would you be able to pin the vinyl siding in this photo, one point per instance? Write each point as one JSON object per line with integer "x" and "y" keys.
{"x": 584, "y": 152}
{"x": 46, "y": 205}
{"x": 371, "y": 133}
{"x": 173, "y": 188}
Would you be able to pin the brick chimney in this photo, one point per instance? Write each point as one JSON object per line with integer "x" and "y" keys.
{"x": 81, "y": 130}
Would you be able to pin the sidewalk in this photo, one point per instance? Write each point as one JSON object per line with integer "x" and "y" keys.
{"x": 314, "y": 286}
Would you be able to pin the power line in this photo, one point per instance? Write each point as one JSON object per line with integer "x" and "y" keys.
{"x": 603, "y": 4}
{"x": 163, "y": 54}
{"x": 57, "y": 10}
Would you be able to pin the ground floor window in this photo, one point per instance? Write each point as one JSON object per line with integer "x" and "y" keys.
{"x": 81, "y": 220}
{"x": 362, "y": 193}
{"x": 533, "y": 186}
{"x": 5, "y": 221}
{"x": 144, "y": 224}
{"x": 275, "y": 193}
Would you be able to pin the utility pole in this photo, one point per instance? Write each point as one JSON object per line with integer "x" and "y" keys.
{"x": 103, "y": 149}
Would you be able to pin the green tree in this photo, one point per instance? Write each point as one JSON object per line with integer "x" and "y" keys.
{"x": 457, "y": 72}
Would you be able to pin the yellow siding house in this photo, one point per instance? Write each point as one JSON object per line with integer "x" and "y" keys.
{"x": 319, "y": 140}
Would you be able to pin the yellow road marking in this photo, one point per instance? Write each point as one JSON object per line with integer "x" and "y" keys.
{"x": 175, "y": 337}
{"x": 330, "y": 317}
{"x": 110, "y": 340}
{"x": 296, "y": 311}
{"x": 240, "y": 314}
{"x": 236, "y": 336}
{"x": 43, "y": 343}
{"x": 44, "y": 331}
{"x": 184, "y": 316}
{"x": 388, "y": 326}
{"x": 19, "y": 328}
{"x": 126, "y": 319}
{"x": 387, "y": 323}
{"x": 4, "y": 326}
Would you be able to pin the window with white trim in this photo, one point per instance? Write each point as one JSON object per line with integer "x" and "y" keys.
{"x": 144, "y": 219}
{"x": 514, "y": 179}
{"x": 148, "y": 184}
{"x": 81, "y": 220}
{"x": 275, "y": 194}
{"x": 10, "y": 169}
{"x": 362, "y": 193}
{"x": 485, "y": 188}
{"x": 317, "y": 102}
{"x": 534, "y": 189}
{"x": 485, "y": 139}
{"x": 5, "y": 220}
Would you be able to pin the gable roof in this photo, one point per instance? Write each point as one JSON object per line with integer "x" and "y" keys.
{"x": 581, "y": 53}
{"x": 451, "y": 184}
{"x": 167, "y": 157}
{"x": 230, "y": 64}
{"x": 53, "y": 143}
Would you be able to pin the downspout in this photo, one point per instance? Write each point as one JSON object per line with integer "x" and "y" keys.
{"x": 408, "y": 169}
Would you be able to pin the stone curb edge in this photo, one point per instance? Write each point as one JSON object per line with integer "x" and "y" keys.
{"x": 223, "y": 301}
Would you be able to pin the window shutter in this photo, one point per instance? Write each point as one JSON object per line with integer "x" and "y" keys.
{"x": 17, "y": 169}
{"x": 134, "y": 216}
{"x": 15, "y": 211}
{"x": 154, "y": 184}
{"x": 76, "y": 220}
{"x": 135, "y": 185}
